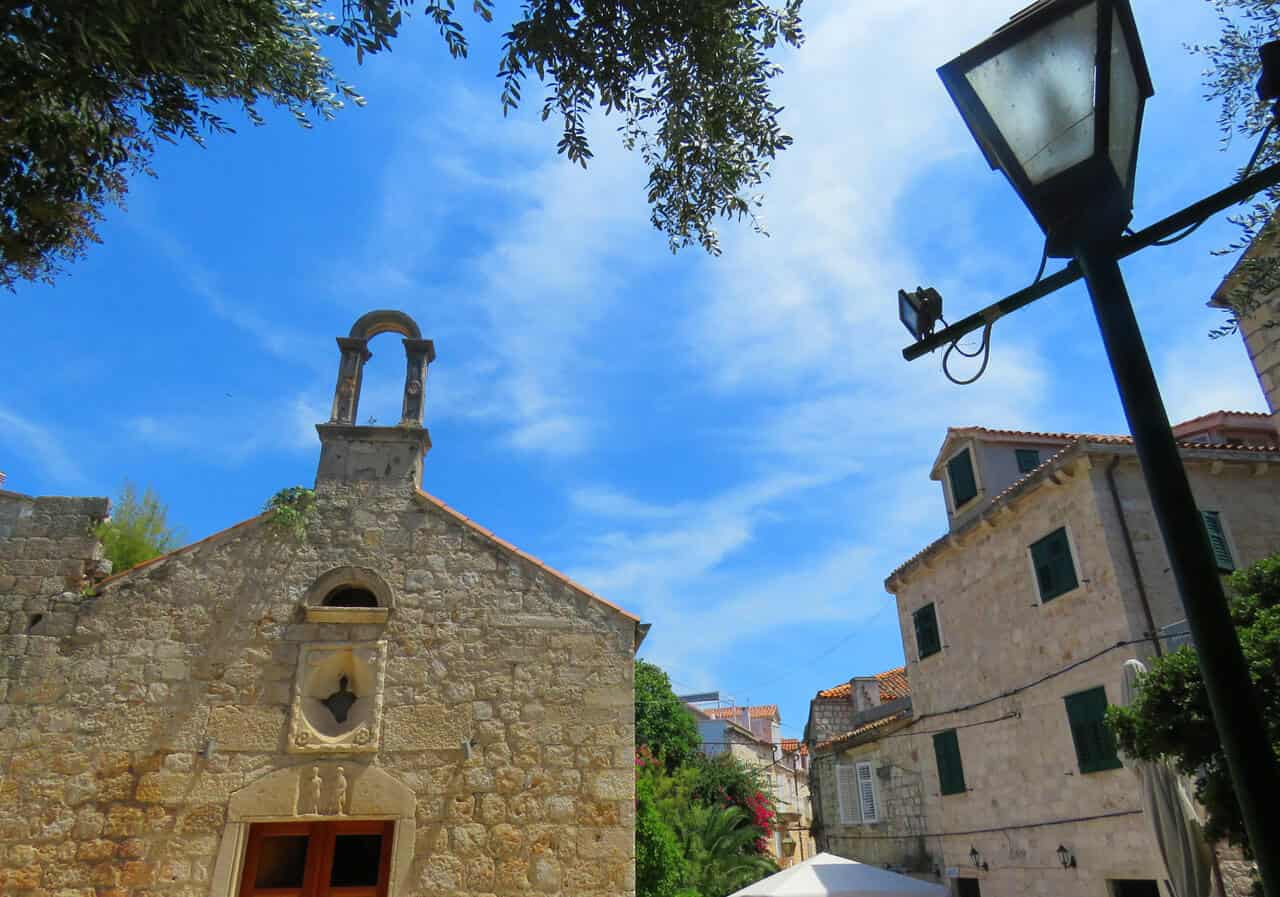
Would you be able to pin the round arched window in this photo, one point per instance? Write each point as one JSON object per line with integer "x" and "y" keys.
{"x": 351, "y": 596}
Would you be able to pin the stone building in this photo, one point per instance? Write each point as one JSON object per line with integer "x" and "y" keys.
{"x": 394, "y": 702}
{"x": 867, "y": 796}
{"x": 1259, "y": 319}
{"x": 1016, "y": 624}
{"x": 754, "y": 736}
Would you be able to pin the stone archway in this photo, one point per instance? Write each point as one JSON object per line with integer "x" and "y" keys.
{"x": 418, "y": 352}
{"x": 318, "y": 791}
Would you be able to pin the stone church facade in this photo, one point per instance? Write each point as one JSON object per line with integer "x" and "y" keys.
{"x": 394, "y": 703}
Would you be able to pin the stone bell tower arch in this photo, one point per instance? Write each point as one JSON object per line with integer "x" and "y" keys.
{"x": 350, "y": 452}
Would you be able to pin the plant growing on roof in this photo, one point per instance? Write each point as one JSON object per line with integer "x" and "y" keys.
{"x": 291, "y": 510}
{"x": 136, "y": 531}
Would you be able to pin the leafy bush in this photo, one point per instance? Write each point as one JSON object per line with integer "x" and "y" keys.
{"x": 292, "y": 509}
{"x": 663, "y": 724}
{"x": 1170, "y": 719}
{"x": 136, "y": 531}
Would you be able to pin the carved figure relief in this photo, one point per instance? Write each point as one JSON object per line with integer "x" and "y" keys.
{"x": 337, "y": 698}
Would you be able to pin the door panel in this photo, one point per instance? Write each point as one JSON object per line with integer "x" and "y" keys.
{"x": 317, "y": 859}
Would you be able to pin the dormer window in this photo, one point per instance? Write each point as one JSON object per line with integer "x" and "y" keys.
{"x": 1028, "y": 459}
{"x": 964, "y": 486}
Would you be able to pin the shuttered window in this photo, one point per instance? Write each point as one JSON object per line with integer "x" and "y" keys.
{"x": 946, "y": 749}
{"x": 1095, "y": 745}
{"x": 847, "y": 794}
{"x": 963, "y": 485}
{"x": 1028, "y": 460}
{"x": 1055, "y": 571}
{"x": 867, "y": 794}
{"x": 1218, "y": 540}
{"x": 927, "y": 638}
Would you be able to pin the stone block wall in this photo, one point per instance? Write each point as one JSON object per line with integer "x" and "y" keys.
{"x": 1243, "y": 488}
{"x": 830, "y": 717}
{"x": 899, "y": 839}
{"x": 127, "y": 729}
{"x": 1021, "y": 772}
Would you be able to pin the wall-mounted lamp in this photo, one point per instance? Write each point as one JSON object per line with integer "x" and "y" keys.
{"x": 206, "y": 752}
{"x": 919, "y": 311}
{"x": 466, "y": 748}
{"x": 977, "y": 860}
{"x": 1066, "y": 858}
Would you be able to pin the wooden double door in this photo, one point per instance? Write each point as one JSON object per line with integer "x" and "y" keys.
{"x": 317, "y": 859}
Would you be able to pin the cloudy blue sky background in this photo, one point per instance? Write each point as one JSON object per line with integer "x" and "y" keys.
{"x": 730, "y": 447}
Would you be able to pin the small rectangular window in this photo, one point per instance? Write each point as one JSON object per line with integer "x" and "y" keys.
{"x": 1095, "y": 745}
{"x": 946, "y": 750}
{"x": 867, "y": 794}
{"x": 1218, "y": 541}
{"x": 968, "y": 887}
{"x": 927, "y": 639}
{"x": 1028, "y": 460}
{"x": 1055, "y": 571}
{"x": 963, "y": 485}
{"x": 847, "y": 793}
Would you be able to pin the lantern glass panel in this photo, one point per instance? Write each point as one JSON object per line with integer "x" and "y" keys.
{"x": 1039, "y": 93}
{"x": 1125, "y": 98}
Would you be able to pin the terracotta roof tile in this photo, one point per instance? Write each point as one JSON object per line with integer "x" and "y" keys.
{"x": 488, "y": 534}
{"x": 863, "y": 729}
{"x": 1103, "y": 438}
{"x": 893, "y": 685}
{"x": 461, "y": 518}
{"x": 1079, "y": 443}
{"x": 794, "y": 746}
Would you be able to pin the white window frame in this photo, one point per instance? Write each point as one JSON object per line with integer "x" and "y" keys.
{"x": 854, "y": 815}
{"x": 875, "y": 797}
{"x": 1075, "y": 565}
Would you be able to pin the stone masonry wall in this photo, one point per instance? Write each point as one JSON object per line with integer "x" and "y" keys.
{"x": 829, "y": 717}
{"x": 1244, "y": 491}
{"x": 1021, "y": 773}
{"x": 898, "y": 839}
{"x": 128, "y": 722}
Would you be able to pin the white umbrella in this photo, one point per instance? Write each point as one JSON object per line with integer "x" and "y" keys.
{"x": 1167, "y": 804}
{"x": 827, "y": 875}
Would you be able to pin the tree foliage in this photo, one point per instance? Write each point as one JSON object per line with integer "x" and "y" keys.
{"x": 687, "y": 846}
{"x": 87, "y": 90}
{"x": 1231, "y": 79}
{"x": 1171, "y": 720}
{"x": 663, "y": 724}
{"x": 701, "y": 823}
{"x": 136, "y": 531}
{"x": 291, "y": 510}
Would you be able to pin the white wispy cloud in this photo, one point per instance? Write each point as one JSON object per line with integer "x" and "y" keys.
{"x": 37, "y": 446}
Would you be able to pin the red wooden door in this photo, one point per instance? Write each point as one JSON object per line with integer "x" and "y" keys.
{"x": 317, "y": 859}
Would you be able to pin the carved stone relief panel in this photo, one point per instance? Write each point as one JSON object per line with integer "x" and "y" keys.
{"x": 337, "y": 698}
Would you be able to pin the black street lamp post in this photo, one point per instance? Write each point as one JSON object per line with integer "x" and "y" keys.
{"x": 1055, "y": 100}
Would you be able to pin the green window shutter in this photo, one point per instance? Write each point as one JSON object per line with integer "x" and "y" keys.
{"x": 960, "y": 471}
{"x": 946, "y": 749}
{"x": 1218, "y": 540}
{"x": 1095, "y": 745}
{"x": 927, "y": 639}
{"x": 1055, "y": 573}
{"x": 1028, "y": 460}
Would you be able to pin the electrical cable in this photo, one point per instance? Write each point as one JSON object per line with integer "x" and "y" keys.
{"x": 984, "y": 350}
{"x": 1248, "y": 170}
{"x": 1044, "y": 260}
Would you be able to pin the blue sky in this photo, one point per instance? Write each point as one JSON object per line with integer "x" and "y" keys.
{"x": 730, "y": 447}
